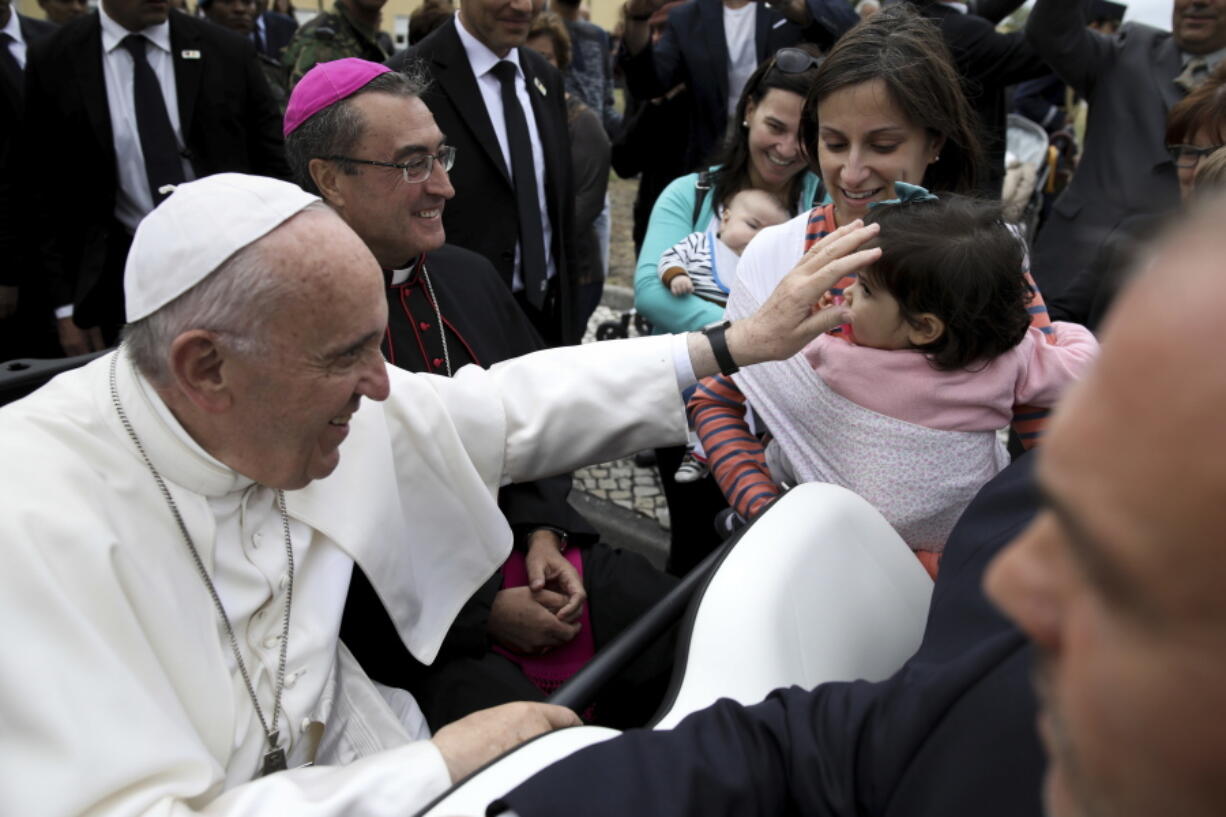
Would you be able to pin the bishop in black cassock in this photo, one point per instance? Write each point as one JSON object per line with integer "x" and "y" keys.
{"x": 476, "y": 321}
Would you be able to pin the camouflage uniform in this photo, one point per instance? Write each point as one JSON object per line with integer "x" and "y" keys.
{"x": 332, "y": 35}
{"x": 274, "y": 72}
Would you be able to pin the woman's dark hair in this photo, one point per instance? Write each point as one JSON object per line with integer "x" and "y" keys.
{"x": 552, "y": 26}
{"x": 907, "y": 53}
{"x": 732, "y": 174}
{"x": 1205, "y": 107}
{"x": 956, "y": 259}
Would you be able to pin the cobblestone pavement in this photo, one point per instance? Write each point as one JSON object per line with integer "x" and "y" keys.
{"x": 621, "y": 482}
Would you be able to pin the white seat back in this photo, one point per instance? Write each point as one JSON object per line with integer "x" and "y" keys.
{"x": 820, "y": 589}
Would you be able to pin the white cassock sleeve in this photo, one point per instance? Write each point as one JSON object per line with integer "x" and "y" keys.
{"x": 567, "y": 407}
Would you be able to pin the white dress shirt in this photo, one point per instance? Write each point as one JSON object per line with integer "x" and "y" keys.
{"x": 742, "y": 50}
{"x": 18, "y": 46}
{"x": 482, "y": 60}
{"x": 133, "y": 200}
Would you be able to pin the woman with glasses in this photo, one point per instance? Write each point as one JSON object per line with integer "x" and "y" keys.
{"x": 886, "y": 106}
{"x": 762, "y": 152}
{"x": 1195, "y": 128}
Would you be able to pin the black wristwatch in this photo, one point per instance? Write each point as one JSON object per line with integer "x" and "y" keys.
{"x": 561, "y": 534}
{"x": 715, "y": 333}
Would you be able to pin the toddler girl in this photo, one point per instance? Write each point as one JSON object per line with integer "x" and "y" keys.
{"x": 904, "y": 403}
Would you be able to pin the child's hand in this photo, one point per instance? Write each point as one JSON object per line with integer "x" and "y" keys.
{"x": 681, "y": 285}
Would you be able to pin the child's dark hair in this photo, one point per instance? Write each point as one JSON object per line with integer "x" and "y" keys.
{"x": 956, "y": 259}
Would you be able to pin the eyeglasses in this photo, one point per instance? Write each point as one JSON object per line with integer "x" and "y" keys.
{"x": 795, "y": 60}
{"x": 415, "y": 170}
{"x": 1188, "y": 155}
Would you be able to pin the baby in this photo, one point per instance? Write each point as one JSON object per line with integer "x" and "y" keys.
{"x": 704, "y": 263}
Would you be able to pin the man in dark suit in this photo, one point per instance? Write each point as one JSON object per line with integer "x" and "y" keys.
{"x": 532, "y": 247}
{"x": 118, "y": 104}
{"x": 1130, "y": 80}
{"x": 24, "y": 322}
{"x": 712, "y": 46}
{"x": 988, "y": 62}
{"x": 273, "y": 31}
{"x": 963, "y": 703}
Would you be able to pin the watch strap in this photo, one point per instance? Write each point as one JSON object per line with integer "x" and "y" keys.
{"x": 717, "y": 337}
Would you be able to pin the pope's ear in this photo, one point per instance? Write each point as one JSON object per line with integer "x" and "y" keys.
{"x": 198, "y": 367}
{"x": 926, "y": 329}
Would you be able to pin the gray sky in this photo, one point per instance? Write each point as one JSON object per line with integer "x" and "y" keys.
{"x": 1154, "y": 12}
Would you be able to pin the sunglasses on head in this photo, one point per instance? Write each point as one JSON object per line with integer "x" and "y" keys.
{"x": 795, "y": 60}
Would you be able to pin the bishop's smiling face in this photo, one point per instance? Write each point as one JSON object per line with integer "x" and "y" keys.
{"x": 397, "y": 219}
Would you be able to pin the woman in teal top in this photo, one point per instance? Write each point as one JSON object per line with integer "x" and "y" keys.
{"x": 763, "y": 153}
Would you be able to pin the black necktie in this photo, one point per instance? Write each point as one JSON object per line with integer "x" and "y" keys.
{"x": 163, "y": 164}
{"x": 10, "y": 69}
{"x": 523, "y": 174}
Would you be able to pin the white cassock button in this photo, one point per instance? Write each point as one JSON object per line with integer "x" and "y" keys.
{"x": 284, "y": 583}
{"x": 271, "y": 641}
{"x": 256, "y": 539}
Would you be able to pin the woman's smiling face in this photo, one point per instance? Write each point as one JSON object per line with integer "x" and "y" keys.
{"x": 865, "y": 144}
{"x": 774, "y": 144}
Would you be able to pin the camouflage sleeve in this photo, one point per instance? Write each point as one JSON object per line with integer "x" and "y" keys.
{"x": 321, "y": 43}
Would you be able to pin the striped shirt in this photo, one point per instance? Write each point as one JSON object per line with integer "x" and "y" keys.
{"x": 712, "y": 276}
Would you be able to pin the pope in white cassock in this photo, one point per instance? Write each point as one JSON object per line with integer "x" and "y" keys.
{"x": 179, "y": 525}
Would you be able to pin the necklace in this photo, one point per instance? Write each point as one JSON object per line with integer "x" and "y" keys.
{"x": 274, "y": 758}
{"x": 438, "y": 315}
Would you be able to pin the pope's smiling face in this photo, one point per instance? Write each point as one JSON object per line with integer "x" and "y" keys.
{"x": 292, "y": 401}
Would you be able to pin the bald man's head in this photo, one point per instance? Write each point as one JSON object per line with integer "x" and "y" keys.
{"x": 1119, "y": 579}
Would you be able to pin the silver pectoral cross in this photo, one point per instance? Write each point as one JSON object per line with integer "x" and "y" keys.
{"x": 274, "y": 758}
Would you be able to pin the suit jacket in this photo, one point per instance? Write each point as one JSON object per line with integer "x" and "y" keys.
{"x": 694, "y": 51}
{"x": 988, "y": 62}
{"x": 482, "y": 216}
{"x": 27, "y": 332}
{"x": 1128, "y": 80}
{"x": 951, "y": 733}
{"x": 13, "y": 245}
{"x": 228, "y": 119}
{"x": 278, "y": 31}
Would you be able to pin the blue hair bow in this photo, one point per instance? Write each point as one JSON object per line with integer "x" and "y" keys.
{"x": 906, "y": 194}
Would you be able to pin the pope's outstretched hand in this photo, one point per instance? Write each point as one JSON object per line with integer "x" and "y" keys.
{"x": 474, "y": 740}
